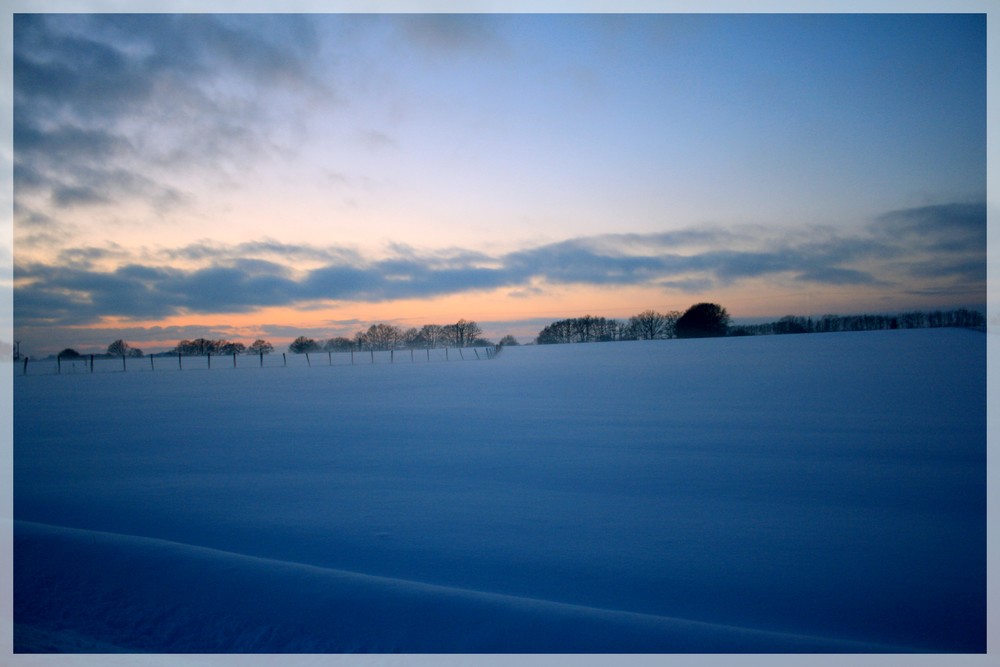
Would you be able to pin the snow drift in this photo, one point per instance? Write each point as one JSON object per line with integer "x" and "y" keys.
{"x": 819, "y": 493}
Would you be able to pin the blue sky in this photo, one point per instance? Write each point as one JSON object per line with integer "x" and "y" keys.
{"x": 248, "y": 176}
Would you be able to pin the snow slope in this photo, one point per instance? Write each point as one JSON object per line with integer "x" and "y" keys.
{"x": 818, "y": 493}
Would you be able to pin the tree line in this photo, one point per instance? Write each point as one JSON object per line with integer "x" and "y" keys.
{"x": 381, "y": 336}
{"x": 790, "y": 324}
{"x": 700, "y": 320}
{"x": 709, "y": 319}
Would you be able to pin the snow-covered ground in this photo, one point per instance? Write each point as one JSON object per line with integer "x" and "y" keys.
{"x": 815, "y": 493}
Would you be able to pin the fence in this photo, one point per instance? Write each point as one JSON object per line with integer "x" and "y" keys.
{"x": 178, "y": 362}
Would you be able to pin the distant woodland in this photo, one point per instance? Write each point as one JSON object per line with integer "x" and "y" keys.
{"x": 700, "y": 320}
{"x": 703, "y": 320}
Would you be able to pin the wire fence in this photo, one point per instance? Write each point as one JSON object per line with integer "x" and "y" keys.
{"x": 179, "y": 362}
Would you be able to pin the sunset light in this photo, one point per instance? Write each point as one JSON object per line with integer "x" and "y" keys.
{"x": 217, "y": 175}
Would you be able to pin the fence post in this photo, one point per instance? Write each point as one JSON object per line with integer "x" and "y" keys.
{"x": 308, "y": 363}
{"x": 392, "y": 356}
{"x": 373, "y": 354}
{"x": 284, "y": 359}
{"x": 234, "y": 360}
{"x": 180, "y": 366}
{"x": 428, "y": 354}
{"x": 460, "y": 354}
{"x": 91, "y": 363}
{"x": 329, "y": 357}
{"x": 25, "y": 372}
{"x": 446, "y": 353}
{"x": 151, "y": 366}
{"x": 411, "y": 355}
{"x": 123, "y": 363}
{"x": 262, "y": 358}
{"x": 352, "y": 356}
{"x": 209, "y": 361}
{"x": 476, "y": 351}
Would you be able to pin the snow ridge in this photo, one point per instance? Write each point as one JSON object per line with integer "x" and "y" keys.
{"x": 303, "y": 608}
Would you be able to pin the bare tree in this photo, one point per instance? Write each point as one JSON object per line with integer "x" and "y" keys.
{"x": 231, "y": 347}
{"x": 382, "y": 336}
{"x": 466, "y": 331}
{"x": 302, "y": 345}
{"x": 411, "y": 338}
{"x": 260, "y": 346}
{"x": 650, "y": 324}
{"x": 339, "y": 344}
{"x": 432, "y": 335}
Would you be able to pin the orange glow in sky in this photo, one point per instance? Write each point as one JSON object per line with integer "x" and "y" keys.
{"x": 506, "y": 168}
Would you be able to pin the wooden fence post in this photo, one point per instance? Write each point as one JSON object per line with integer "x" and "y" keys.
{"x": 284, "y": 360}
{"x": 25, "y": 371}
{"x": 308, "y": 363}
{"x": 234, "y": 360}
{"x": 262, "y": 358}
{"x": 329, "y": 357}
{"x": 460, "y": 354}
{"x": 152, "y": 367}
{"x": 392, "y": 355}
{"x": 209, "y": 361}
{"x": 476, "y": 351}
{"x": 373, "y": 354}
{"x": 91, "y": 363}
{"x": 446, "y": 353}
{"x": 180, "y": 366}
{"x": 123, "y": 363}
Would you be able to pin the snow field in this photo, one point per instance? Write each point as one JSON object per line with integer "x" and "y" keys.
{"x": 809, "y": 493}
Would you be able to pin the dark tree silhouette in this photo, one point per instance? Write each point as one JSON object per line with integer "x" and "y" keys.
{"x": 196, "y": 347}
{"x": 380, "y": 336}
{"x": 651, "y": 325}
{"x": 703, "y": 320}
{"x": 260, "y": 346}
{"x": 302, "y": 345}
{"x": 465, "y": 332}
{"x": 584, "y": 329}
{"x": 120, "y": 348}
{"x": 69, "y": 353}
{"x": 432, "y": 335}
{"x": 339, "y": 344}
{"x": 230, "y": 347}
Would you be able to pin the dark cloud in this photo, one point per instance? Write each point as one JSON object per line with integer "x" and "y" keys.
{"x": 916, "y": 255}
{"x": 107, "y": 105}
{"x": 66, "y": 196}
{"x": 577, "y": 261}
{"x": 951, "y": 228}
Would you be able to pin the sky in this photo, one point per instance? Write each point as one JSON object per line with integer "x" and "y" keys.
{"x": 275, "y": 175}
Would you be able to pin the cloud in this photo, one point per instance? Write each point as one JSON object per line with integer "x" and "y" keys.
{"x": 289, "y": 253}
{"x": 951, "y": 228}
{"x": 938, "y": 248}
{"x": 108, "y": 108}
